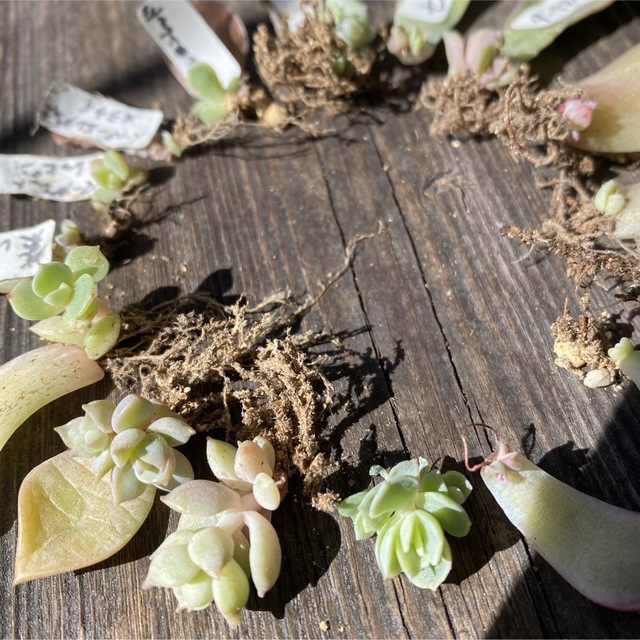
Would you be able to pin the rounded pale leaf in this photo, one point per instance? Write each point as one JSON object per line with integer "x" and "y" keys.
{"x": 250, "y": 461}
{"x": 221, "y": 457}
{"x": 171, "y": 567}
{"x": 113, "y": 161}
{"x": 201, "y": 498}
{"x": 266, "y": 492}
{"x": 102, "y": 336}
{"x": 88, "y": 260}
{"x": 268, "y": 449}
{"x": 196, "y": 594}
{"x": 124, "y": 444}
{"x": 132, "y": 412}
{"x": 173, "y": 429}
{"x": 211, "y": 549}
{"x": 265, "y": 554}
{"x": 205, "y": 82}
{"x": 67, "y": 519}
{"x": 231, "y": 592}
{"x": 50, "y": 277}
{"x": 28, "y": 305}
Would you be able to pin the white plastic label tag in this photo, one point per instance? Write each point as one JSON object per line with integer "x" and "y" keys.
{"x": 429, "y": 11}
{"x": 185, "y": 38}
{"x": 59, "y": 179}
{"x": 23, "y": 250}
{"x": 106, "y": 123}
{"x": 547, "y": 13}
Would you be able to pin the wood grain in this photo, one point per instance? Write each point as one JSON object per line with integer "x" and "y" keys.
{"x": 447, "y": 321}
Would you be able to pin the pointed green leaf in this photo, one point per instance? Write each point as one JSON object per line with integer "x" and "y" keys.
{"x": 451, "y": 516}
{"x": 28, "y": 305}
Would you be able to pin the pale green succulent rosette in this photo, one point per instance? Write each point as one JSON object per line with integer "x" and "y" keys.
{"x": 113, "y": 177}
{"x": 410, "y": 511}
{"x": 133, "y": 441}
{"x": 63, "y": 298}
{"x": 224, "y": 539}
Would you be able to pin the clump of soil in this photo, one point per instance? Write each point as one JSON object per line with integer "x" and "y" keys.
{"x": 300, "y": 67}
{"x": 581, "y": 346}
{"x": 231, "y": 368}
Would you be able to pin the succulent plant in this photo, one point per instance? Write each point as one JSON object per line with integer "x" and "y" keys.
{"x": 133, "y": 441}
{"x": 410, "y": 511}
{"x": 224, "y": 536}
{"x": 114, "y": 177}
{"x": 63, "y": 296}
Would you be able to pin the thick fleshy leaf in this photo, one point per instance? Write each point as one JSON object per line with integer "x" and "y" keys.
{"x": 34, "y": 379}
{"x": 100, "y": 412}
{"x": 67, "y": 519}
{"x": 458, "y": 487}
{"x": 82, "y": 305}
{"x": 266, "y": 492}
{"x": 125, "y": 484}
{"x": 349, "y": 507}
{"x": 60, "y": 329}
{"x": 201, "y": 498}
{"x": 221, "y": 457}
{"x": 114, "y": 162}
{"x": 102, "y": 336}
{"x": 250, "y": 461}
{"x": 173, "y": 429}
{"x": 393, "y": 495}
{"x": 85, "y": 259}
{"x": 451, "y": 516}
{"x": 132, "y": 412}
{"x": 205, "y": 82}
{"x": 211, "y": 549}
{"x": 171, "y": 566}
{"x": 50, "y": 277}
{"x": 196, "y": 594}
{"x": 26, "y": 304}
{"x": 386, "y": 550}
{"x": 269, "y": 451}
{"x": 265, "y": 554}
{"x": 432, "y": 576}
{"x": 231, "y": 592}
{"x": 124, "y": 444}
{"x": 155, "y": 461}
{"x": 183, "y": 472}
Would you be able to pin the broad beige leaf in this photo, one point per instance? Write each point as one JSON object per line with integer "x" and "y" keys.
{"x": 32, "y": 380}
{"x": 67, "y": 519}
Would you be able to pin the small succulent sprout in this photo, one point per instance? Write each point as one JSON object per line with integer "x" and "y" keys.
{"x": 627, "y": 359}
{"x": 623, "y": 202}
{"x": 170, "y": 144}
{"x": 113, "y": 177}
{"x": 410, "y": 511}
{"x": 69, "y": 288}
{"x": 223, "y": 539}
{"x": 351, "y": 19}
{"x": 479, "y": 55}
{"x": 133, "y": 441}
{"x": 216, "y": 101}
{"x": 577, "y": 114}
{"x": 247, "y": 468}
{"x": 68, "y": 238}
{"x": 608, "y": 199}
{"x": 418, "y": 28}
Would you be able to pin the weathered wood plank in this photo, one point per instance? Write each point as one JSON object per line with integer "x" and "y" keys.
{"x": 449, "y": 321}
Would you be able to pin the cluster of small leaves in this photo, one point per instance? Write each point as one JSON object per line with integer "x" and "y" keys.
{"x": 63, "y": 297}
{"x": 114, "y": 177}
{"x": 410, "y": 511}
{"x": 133, "y": 441}
{"x": 224, "y": 536}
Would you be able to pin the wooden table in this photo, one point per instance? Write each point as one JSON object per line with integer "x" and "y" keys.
{"x": 448, "y": 323}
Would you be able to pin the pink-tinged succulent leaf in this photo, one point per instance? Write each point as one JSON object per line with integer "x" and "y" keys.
{"x": 173, "y": 429}
{"x": 67, "y": 519}
{"x": 221, "y": 458}
{"x": 454, "y": 47}
{"x": 266, "y": 492}
{"x": 171, "y": 565}
{"x": 123, "y": 445}
{"x": 125, "y": 484}
{"x": 201, "y": 498}
{"x": 38, "y": 377}
{"x": 615, "y": 124}
{"x": 482, "y": 47}
{"x": 592, "y": 544}
{"x": 250, "y": 461}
